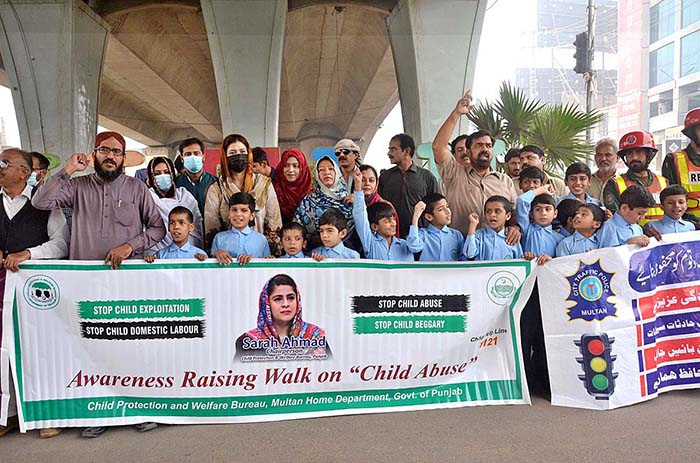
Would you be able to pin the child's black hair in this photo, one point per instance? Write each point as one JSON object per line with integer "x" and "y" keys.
{"x": 578, "y": 168}
{"x": 242, "y": 198}
{"x": 335, "y": 218}
{"x": 293, "y": 226}
{"x": 544, "y": 198}
{"x": 566, "y": 210}
{"x": 430, "y": 200}
{"x": 598, "y": 213}
{"x": 673, "y": 190}
{"x": 507, "y": 206}
{"x": 635, "y": 196}
{"x": 531, "y": 172}
{"x": 379, "y": 211}
{"x": 181, "y": 210}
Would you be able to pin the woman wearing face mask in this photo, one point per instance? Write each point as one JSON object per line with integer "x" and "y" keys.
{"x": 160, "y": 178}
{"x": 236, "y": 174}
{"x": 329, "y": 193}
{"x": 292, "y": 183}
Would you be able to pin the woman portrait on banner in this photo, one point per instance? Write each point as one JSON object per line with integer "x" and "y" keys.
{"x": 160, "y": 177}
{"x": 280, "y": 327}
{"x": 329, "y": 193}
{"x": 293, "y": 183}
{"x": 235, "y": 174}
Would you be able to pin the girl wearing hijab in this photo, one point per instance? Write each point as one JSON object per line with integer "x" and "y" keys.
{"x": 235, "y": 173}
{"x": 160, "y": 177}
{"x": 294, "y": 182}
{"x": 279, "y": 318}
{"x": 329, "y": 193}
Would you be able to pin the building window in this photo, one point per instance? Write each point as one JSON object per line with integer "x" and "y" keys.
{"x": 661, "y": 65}
{"x": 691, "y": 12}
{"x": 662, "y": 19}
{"x": 690, "y": 54}
{"x": 663, "y": 105}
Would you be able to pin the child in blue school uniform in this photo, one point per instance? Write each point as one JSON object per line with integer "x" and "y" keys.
{"x": 623, "y": 228}
{"x": 566, "y": 210}
{"x": 240, "y": 242}
{"x": 535, "y": 211}
{"x": 376, "y": 227}
{"x": 437, "y": 241}
{"x": 586, "y": 222}
{"x": 333, "y": 227}
{"x": 489, "y": 242}
{"x": 578, "y": 180}
{"x": 293, "y": 242}
{"x": 674, "y": 202}
{"x": 180, "y": 225}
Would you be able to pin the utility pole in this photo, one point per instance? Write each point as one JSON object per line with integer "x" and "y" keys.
{"x": 589, "y": 76}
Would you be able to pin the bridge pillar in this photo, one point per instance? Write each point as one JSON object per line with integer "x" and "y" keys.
{"x": 246, "y": 39}
{"x": 434, "y": 44}
{"x": 53, "y": 53}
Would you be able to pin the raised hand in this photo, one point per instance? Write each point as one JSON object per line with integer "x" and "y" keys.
{"x": 78, "y": 162}
{"x": 464, "y": 105}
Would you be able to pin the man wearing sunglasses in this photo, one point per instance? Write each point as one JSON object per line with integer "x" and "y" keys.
{"x": 348, "y": 154}
{"x": 114, "y": 216}
{"x": 26, "y": 232}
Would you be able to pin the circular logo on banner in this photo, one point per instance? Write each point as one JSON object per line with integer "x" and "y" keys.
{"x": 501, "y": 287}
{"x": 41, "y": 292}
{"x": 591, "y": 288}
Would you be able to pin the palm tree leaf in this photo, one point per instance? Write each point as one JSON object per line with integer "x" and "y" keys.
{"x": 517, "y": 110}
{"x": 485, "y": 117}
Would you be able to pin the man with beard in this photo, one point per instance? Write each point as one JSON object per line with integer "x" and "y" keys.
{"x": 683, "y": 167}
{"x": 405, "y": 184}
{"x": 606, "y": 161}
{"x": 114, "y": 216}
{"x": 637, "y": 149}
{"x": 533, "y": 156}
{"x": 513, "y": 167}
{"x": 348, "y": 154}
{"x": 468, "y": 187}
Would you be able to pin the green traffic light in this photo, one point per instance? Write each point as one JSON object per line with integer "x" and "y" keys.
{"x": 600, "y": 382}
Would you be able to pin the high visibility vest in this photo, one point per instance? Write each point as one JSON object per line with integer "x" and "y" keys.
{"x": 688, "y": 178}
{"x": 659, "y": 183}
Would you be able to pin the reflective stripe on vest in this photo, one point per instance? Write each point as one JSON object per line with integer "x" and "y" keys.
{"x": 659, "y": 183}
{"x": 689, "y": 178}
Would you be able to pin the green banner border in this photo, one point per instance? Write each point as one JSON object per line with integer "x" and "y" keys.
{"x": 512, "y": 389}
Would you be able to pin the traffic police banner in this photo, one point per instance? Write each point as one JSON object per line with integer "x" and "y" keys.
{"x": 622, "y": 325}
{"x": 191, "y": 342}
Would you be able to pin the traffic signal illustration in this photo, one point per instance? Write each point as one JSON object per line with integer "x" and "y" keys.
{"x": 581, "y": 54}
{"x": 597, "y": 363}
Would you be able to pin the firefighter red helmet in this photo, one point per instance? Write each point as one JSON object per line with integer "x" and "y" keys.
{"x": 636, "y": 139}
{"x": 692, "y": 119}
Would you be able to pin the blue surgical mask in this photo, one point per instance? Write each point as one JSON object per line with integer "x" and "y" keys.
{"x": 32, "y": 181}
{"x": 164, "y": 182}
{"x": 193, "y": 163}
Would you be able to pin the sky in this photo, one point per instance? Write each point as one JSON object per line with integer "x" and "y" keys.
{"x": 505, "y": 40}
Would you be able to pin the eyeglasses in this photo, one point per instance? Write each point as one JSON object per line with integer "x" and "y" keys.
{"x": 346, "y": 152}
{"x": 4, "y": 165}
{"x": 116, "y": 152}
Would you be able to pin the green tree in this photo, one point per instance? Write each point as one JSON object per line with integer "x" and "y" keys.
{"x": 560, "y": 130}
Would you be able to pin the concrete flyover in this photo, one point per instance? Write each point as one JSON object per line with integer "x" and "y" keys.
{"x": 283, "y": 72}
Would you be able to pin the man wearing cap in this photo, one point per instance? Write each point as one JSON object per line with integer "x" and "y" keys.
{"x": 114, "y": 216}
{"x": 348, "y": 154}
{"x": 533, "y": 156}
{"x": 683, "y": 167}
{"x": 637, "y": 149}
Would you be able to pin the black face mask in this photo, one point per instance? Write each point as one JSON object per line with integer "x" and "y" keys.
{"x": 237, "y": 162}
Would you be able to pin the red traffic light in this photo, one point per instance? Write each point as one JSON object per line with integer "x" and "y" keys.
{"x": 596, "y": 347}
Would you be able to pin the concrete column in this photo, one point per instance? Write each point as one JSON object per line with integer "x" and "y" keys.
{"x": 53, "y": 53}
{"x": 317, "y": 134}
{"x": 434, "y": 44}
{"x": 246, "y": 39}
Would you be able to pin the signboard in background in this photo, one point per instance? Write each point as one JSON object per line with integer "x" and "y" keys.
{"x": 632, "y": 107}
{"x": 622, "y": 325}
{"x": 185, "y": 342}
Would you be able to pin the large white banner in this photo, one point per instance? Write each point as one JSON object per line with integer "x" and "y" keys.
{"x": 188, "y": 342}
{"x": 622, "y": 324}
